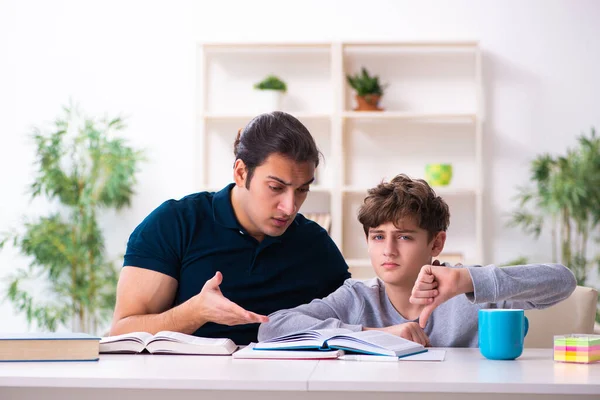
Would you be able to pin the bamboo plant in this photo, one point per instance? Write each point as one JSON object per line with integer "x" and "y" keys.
{"x": 83, "y": 168}
{"x": 565, "y": 198}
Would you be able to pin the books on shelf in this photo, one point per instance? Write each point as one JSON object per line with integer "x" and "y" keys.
{"x": 166, "y": 342}
{"x": 323, "y": 219}
{"x": 363, "y": 342}
{"x": 49, "y": 347}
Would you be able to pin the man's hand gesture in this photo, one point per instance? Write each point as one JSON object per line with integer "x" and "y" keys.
{"x": 214, "y": 307}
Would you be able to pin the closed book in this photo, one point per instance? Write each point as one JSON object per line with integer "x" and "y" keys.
{"x": 49, "y": 347}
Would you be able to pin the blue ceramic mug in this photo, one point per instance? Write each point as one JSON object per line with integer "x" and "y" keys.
{"x": 501, "y": 333}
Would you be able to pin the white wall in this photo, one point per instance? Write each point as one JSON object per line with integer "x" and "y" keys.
{"x": 137, "y": 57}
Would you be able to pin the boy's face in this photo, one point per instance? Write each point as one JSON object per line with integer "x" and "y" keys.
{"x": 399, "y": 251}
{"x": 278, "y": 188}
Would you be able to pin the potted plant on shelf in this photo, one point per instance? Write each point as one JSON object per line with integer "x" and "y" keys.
{"x": 269, "y": 93}
{"x": 368, "y": 90}
{"x": 83, "y": 168}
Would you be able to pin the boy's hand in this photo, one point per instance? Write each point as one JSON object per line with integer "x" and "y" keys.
{"x": 409, "y": 330}
{"x": 436, "y": 284}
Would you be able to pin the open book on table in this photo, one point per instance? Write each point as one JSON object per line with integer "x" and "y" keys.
{"x": 165, "y": 342}
{"x": 364, "y": 342}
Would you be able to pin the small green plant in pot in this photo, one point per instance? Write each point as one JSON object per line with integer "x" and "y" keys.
{"x": 83, "y": 168}
{"x": 269, "y": 93}
{"x": 368, "y": 90}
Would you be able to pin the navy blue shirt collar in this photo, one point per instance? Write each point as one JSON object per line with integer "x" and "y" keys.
{"x": 223, "y": 209}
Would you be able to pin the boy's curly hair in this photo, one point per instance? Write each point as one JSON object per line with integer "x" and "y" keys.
{"x": 404, "y": 197}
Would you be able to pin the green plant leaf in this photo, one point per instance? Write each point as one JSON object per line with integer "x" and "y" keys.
{"x": 564, "y": 193}
{"x": 271, "y": 82}
{"x": 86, "y": 172}
{"x": 365, "y": 84}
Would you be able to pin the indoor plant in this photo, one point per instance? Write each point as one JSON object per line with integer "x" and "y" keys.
{"x": 82, "y": 168}
{"x": 565, "y": 198}
{"x": 269, "y": 93}
{"x": 368, "y": 90}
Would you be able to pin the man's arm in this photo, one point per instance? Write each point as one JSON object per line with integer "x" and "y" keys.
{"x": 145, "y": 297}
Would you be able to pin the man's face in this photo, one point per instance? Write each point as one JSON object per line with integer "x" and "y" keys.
{"x": 399, "y": 251}
{"x": 277, "y": 190}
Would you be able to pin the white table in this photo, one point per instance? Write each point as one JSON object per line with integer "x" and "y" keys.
{"x": 465, "y": 374}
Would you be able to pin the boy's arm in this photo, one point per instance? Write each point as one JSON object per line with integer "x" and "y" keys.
{"x": 333, "y": 311}
{"x": 522, "y": 286}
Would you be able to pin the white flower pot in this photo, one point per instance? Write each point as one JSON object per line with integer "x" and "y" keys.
{"x": 267, "y": 100}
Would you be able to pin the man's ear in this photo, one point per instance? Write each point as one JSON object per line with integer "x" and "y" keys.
{"x": 240, "y": 173}
{"x": 438, "y": 243}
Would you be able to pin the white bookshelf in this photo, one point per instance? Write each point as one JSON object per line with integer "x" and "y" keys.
{"x": 433, "y": 113}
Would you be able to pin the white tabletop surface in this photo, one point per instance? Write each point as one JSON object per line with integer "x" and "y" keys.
{"x": 146, "y": 371}
{"x": 463, "y": 371}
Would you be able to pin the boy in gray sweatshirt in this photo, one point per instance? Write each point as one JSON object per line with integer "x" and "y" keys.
{"x": 436, "y": 305}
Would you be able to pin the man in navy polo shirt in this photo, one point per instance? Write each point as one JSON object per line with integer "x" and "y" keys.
{"x": 215, "y": 264}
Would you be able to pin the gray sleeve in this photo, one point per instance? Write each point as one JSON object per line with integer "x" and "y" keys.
{"x": 521, "y": 286}
{"x": 334, "y": 311}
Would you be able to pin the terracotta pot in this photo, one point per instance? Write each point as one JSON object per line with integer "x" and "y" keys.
{"x": 369, "y": 102}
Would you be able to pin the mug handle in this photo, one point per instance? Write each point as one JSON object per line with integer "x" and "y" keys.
{"x": 526, "y": 326}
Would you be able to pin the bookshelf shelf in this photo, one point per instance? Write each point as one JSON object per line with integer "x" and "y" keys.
{"x": 249, "y": 116}
{"x": 466, "y": 118}
{"x": 433, "y": 113}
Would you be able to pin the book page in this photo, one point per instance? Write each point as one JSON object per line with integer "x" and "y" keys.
{"x": 375, "y": 342}
{"x": 313, "y": 339}
{"x": 133, "y": 342}
{"x": 319, "y": 335}
{"x": 168, "y": 342}
{"x": 140, "y": 337}
{"x": 188, "y": 339}
{"x": 385, "y": 340}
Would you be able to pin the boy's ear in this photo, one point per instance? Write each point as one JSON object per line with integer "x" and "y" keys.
{"x": 240, "y": 173}
{"x": 438, "y": 243}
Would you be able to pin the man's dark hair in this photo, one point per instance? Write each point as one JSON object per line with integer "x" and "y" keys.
{"x": 274, "y": 132}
